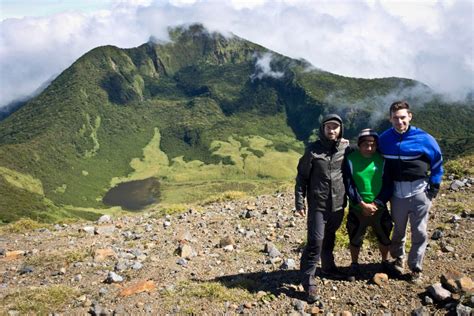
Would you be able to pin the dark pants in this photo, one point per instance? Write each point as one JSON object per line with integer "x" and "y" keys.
{"x": 322, "y": 227}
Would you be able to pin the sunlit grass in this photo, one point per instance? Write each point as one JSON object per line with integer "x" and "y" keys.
{"x": 23, "y": 225}
{"x": 39, "y": 301}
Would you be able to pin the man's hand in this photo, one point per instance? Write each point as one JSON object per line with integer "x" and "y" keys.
{"x": 368, "y": 209}
{"x": 301, "y": 212}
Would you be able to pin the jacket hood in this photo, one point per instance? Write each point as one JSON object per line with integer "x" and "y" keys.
{"x": 331, "y": 117}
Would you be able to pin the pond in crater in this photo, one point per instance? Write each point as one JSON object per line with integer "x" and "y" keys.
{"x": 134, "y": 195}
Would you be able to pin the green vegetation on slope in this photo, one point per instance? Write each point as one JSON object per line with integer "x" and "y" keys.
{"x": 190, "y": 112}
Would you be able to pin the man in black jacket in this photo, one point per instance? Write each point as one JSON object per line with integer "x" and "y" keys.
{"x": 319, "y": 180}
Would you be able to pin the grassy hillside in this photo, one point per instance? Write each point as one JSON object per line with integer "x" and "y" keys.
{"x": 193, "y": 113}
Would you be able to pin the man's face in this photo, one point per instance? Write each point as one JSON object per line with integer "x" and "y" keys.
{"x": 400, "y": 120}
{"x": 332, "y": 130}
{"x": 368, "y": 146}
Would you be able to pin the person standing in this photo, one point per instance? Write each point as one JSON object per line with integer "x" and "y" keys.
{"x": 414, "y": 160}
{"x": 319, "y": 181}
{"x": 369, "y": 190}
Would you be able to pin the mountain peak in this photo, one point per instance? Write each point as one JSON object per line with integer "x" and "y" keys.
{"x": 189, "y": 31}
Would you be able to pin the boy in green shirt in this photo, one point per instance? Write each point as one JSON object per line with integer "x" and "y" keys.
{"x": 368, "y": 189}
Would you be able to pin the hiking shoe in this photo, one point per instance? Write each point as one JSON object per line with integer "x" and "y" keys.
{"x": 354, "y": 271}
{"x": 399, "y": 265}
{"x": 312, "y": 294}
{"x": 333, "y": 273}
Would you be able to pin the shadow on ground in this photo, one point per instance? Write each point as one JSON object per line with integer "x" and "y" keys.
{"x": 286, "y": 281}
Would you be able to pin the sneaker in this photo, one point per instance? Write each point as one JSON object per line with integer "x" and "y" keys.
{"x": 333, "y": 273}
{"x": 312, "y": 294}
{"x": 399, "y": 265}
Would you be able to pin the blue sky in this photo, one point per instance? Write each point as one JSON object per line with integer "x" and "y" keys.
{"x": 22, "y": 8}
{"x": 427, "y": 40}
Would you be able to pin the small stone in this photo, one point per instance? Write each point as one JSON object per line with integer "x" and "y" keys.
{"x": 449, "y": 278}
{"x": 137, "y": 266}
{"x": 78, "y": 278}
{"x": 12, "y": 255}
{"x": 250, "y": 214}
{"x": 120, "y": 310}
{"x": 346, "y": 313}
{"x": 113, "y": 277}
{"x": 166, "y": 224}
{"x": 228, "y": 248}
{"x": 462, "y": 310}
{"x": 101, "y": 255}
{"x": 420, "y": 311}
{"x": 89, "y": 230}
{"x": 271, "y": 250}
{"x": 250, "y": 234}
{"x": 380, "y": 279}
{"x": 103, "y": 291}
{"x": 438, "y": 292}
{"x": 121, "y": 266}
{"x": 456, "y": 185}
{"x": 455, "y": 219}
{"x": 26, "y": 270}
{"x": 288, "y": 264}
{"x": 105, "y": 230}
{"x": 184, "y": 236}
{"x": 81, "y": 298}
{"x": 465, "y": 284}
{"x": 182, "y": 262}
{"x": 437, "y": 234}
{"x": 148, "y": 309}
{"x": 186, "y": 251}
{"x": 299, "y": 305}
{"x": 97, "y": 310}
{"x": 226, "y": 241}
{"x": 142, "y": 286}
{"x": 447, "y": 248}
{"x": 104, "y": 219}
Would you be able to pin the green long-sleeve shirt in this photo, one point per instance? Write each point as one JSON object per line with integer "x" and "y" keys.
{"x": 366, "y": 175}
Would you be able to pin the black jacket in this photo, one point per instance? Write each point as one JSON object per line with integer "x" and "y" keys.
{"x": 319, "y": 176}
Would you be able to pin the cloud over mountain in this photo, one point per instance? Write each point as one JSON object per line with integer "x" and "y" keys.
{"x": 430, "y": 42}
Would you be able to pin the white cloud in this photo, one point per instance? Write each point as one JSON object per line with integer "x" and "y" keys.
{"x": 263, "y": 68}
{"x": 424, "y": 40}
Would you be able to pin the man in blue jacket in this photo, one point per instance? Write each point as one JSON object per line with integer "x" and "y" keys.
{"x": 414, "y": 162}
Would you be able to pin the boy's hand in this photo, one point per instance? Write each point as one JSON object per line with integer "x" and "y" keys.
{"x": 301, "y": 212}
{"x": 368, "y": 209}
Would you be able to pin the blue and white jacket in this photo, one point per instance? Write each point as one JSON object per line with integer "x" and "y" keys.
{"x": 411, "y": 156}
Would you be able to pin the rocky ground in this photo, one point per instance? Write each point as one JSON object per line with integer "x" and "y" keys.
{"x": 232, "y": 257}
